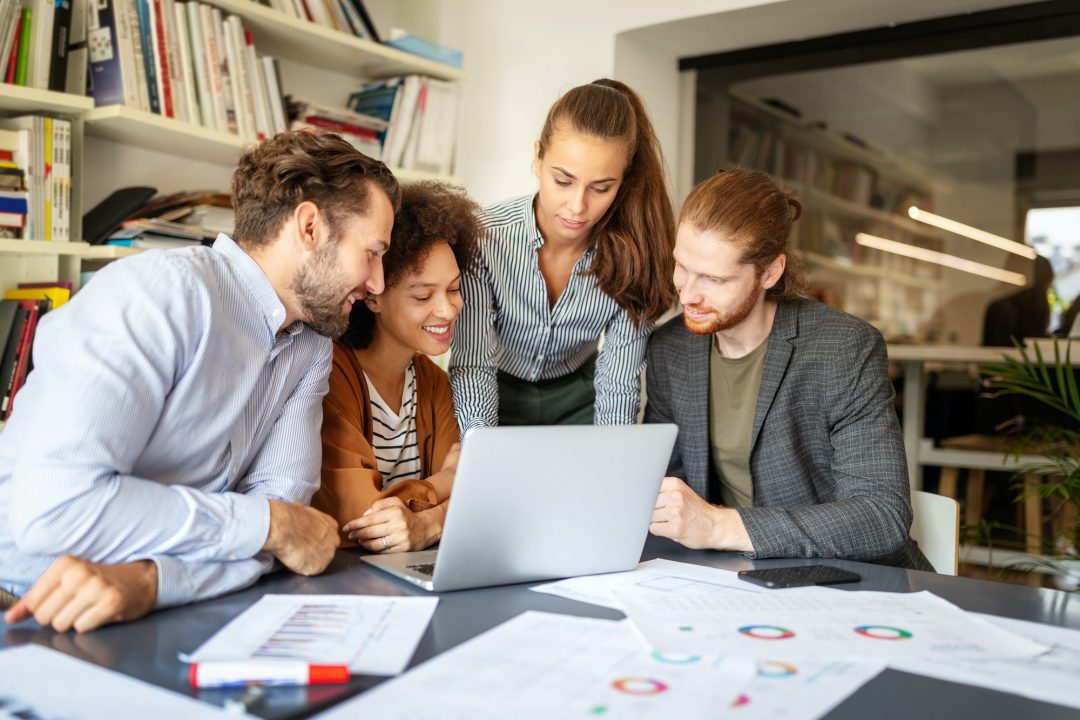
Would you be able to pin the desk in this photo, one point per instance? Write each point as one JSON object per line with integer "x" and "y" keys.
{"x": 920, "y": 450}
{"x": 147, "y": 649}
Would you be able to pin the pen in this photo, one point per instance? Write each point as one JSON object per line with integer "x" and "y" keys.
{"x": 246, "y": 672}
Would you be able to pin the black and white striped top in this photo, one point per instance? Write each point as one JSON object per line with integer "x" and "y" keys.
{"x": 507, "y": 324}
{"x": 394, "y": 434}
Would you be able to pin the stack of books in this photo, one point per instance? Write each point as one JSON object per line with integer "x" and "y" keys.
{"x": 420, "y": 114}
{"x": 20, "y": 311}
{"x": 35, "y": 178}
{"x": 364, "y": 132}
{"x": 187, "y": 61}
{"x": 43, "y": 44}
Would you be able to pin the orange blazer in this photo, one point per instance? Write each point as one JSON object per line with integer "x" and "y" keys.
{"x": 351, "y": 480}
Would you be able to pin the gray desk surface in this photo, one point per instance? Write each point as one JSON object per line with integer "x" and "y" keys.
{"x": 147, "y": 649}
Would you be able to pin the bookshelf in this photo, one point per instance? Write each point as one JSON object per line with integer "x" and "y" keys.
{"x": 344, "y": 57}
{"x": 845, "y": 188}
{"x": 287, "y": 37}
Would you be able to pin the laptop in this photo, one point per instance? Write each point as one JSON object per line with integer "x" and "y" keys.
{"x": 541, "y": 502}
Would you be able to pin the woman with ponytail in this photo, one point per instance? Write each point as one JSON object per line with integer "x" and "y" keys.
{"x": 588, "y": 256}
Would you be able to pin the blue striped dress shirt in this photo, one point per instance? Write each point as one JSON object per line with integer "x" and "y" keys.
{"x": 163, "y": 411}
{"x": 508, "y": 324}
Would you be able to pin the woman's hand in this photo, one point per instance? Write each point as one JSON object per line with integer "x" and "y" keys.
{"x": 389, "y": 526}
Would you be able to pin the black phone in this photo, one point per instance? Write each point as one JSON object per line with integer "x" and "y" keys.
{"x": 799, "y": 576}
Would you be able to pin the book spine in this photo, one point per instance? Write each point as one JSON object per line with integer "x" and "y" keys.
{"x": 61, "y": 30}
{"x": 13, "y": 54}
{"x": 258, "y": 88}
{"x": 161, "y": 59}
{"x": 105, "y": 69}
{"x": 187, "y": 66}
{"x": 199, "y": 62}
{"x": 273, "y": 93}
{"x": 172, "y": 54}
{"x": 134, "y": 54}
{"x": 125, "y": 52}
{"x": 22, "y": 361}
{"x": 146, "y": 32}
{"x": 24, "y": 47}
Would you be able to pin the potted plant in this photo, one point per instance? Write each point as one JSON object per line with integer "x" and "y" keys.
{"x": 1057, "y": 442}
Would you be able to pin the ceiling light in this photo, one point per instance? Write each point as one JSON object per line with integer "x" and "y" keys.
{"x": 958, "y": 228}
{"x": 932, "y": 256}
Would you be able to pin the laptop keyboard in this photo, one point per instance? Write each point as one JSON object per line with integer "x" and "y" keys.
{"x": 423, "y": 568}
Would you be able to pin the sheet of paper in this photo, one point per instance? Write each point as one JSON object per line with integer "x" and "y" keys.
{"x": 801, "y": 689}
{"x": 658, "y": 575}
{"x": 1053, "y": 677}
{"x": 373, "y": 635}
{"x": 542, "y": 665}
{"x": 42, "y": 684}
{"x": 817, "y": 622}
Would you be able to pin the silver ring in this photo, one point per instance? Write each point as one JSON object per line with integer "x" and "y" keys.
{"x": 385, "y": 545}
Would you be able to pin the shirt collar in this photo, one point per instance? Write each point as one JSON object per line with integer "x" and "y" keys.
{"x": 257, "y": 285}
{"x": 537, "y": 239}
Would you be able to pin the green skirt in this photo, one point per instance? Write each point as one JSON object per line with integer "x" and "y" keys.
{"x": 566, "y": 400}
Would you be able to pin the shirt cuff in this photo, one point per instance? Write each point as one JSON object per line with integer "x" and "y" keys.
{"x": 246, "y": 533}
{"x": 172, "y": 587}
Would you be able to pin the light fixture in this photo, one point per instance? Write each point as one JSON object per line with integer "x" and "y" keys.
{"x": 939, "y": 258}
{"x": 958, "y": 228}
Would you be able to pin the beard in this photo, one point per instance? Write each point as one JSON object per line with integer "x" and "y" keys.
{"x": 321, "y": 294}
{"x": 725, "y": 321}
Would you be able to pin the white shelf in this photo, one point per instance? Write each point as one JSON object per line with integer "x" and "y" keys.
{"x": 132, "y": 126}
{"x": 276, "y": 34}
{"x": 850, "y": 268}
{"x": 82, "y": 250}
{"x": 16, "y": 98}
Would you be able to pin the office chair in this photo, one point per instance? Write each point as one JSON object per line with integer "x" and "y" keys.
{"x": 936, "y": 528}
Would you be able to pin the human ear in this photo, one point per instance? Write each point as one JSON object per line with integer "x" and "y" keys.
{"x": 536, "y": 158}
{"x": 774, "y": 271}
{"x": 304, "y": 218}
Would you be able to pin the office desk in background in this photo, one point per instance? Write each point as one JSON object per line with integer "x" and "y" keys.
{"x": 919, "y": 448}
{"x": 147, "y": 649}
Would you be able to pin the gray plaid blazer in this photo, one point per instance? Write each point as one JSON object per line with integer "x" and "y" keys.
{"x": 827, "y": 456}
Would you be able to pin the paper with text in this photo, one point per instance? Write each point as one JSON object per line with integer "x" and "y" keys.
{"x": 373, "y": 635}
{"x": 817, "y": 622}
{"x": 37, "y": 683}
{"x": 542, "y": 665}
{"x": 659, "y": 575}
{"x": 1053, "y": 677}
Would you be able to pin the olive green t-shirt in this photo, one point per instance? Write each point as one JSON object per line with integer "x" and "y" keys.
{"x": 733, "y": 393}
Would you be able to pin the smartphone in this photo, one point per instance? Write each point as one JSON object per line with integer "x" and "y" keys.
{"x": 799, "y": 576}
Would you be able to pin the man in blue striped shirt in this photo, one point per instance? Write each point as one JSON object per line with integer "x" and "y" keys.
{"x": 166, "y": 445}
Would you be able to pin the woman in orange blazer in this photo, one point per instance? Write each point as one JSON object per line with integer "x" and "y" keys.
{"x": 389, "y": 434}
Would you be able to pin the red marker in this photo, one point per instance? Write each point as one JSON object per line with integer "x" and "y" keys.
{"x": 269, "y": 672}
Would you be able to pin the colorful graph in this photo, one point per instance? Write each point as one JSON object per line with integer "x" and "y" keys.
{"x": 639, "y": 686}
{"x": 766, "y": 632}
{"x": 307, "y": 632}
{"x": 883, "y": 632}
{"x": 776, "y": 669}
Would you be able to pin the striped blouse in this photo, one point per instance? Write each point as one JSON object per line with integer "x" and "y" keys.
{"x": 393, "y": 434}
{"x": 507, "y": 324}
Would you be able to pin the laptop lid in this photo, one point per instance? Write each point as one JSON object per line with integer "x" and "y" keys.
{"x": 534, "y": 503}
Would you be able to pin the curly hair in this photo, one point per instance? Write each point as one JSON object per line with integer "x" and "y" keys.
{"x": 275, "y": 176}
{"x": 431, "y": 212}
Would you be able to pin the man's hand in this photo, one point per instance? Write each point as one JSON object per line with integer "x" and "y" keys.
{"x": 84, "y": 595}
{"x": 681, "y": 515}
{"x": 301, "y": 537}
{"x": 389, "y": 526}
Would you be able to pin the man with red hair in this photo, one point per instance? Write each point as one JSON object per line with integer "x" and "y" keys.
{"x": 788, "y": 444}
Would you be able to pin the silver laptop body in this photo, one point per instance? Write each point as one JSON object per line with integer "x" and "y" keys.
{"x": 534, "y": 503}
